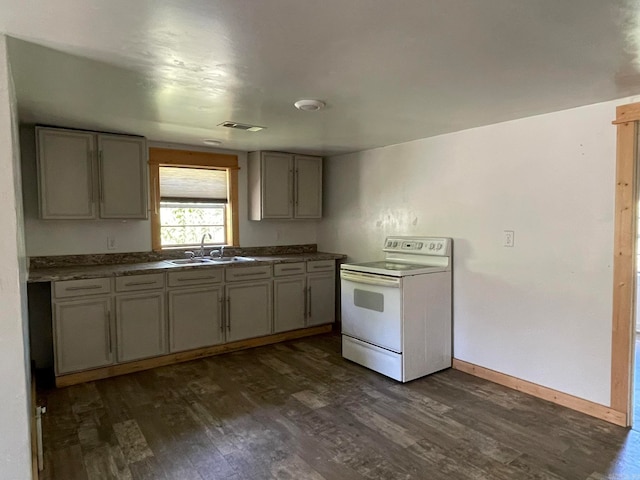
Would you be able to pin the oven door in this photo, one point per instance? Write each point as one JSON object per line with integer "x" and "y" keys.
{"x": 372, "y": 308}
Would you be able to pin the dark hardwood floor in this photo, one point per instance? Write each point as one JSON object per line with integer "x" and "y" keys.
{"x": 299, "y": 411}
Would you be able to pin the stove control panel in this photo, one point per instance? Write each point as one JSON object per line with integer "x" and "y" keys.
{"x": 418, "y": 245}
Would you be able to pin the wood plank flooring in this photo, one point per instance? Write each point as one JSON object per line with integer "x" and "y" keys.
{"x": 299, "y": 411}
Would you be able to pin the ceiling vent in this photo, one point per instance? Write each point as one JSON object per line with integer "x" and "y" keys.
{"x": 241, "y": 126}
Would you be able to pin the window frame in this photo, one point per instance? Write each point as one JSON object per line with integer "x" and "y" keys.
{"x": 161, "y": 157}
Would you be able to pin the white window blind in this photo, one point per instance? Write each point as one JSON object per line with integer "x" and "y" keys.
{"x": 180, "y": 183}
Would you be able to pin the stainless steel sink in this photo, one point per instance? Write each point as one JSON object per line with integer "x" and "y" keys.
{"x": 191, "y": 261}
{"x": 210, "y": 261}
{"x": 233, "y": 259}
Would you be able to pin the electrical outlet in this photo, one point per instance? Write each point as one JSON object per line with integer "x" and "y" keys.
{"x": 508, "y": 238}
{"x": 111, "y": 243}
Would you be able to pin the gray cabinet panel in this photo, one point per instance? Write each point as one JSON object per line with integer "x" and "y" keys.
{"x": 195, "y": 318}
{"x": 308, "y": 184}
{"x": 289, "y": 302}
{"x": 140, "y": 326}
{"x": 277, "y": 185}
{"x": 66, "y": 164}
{"x": 83, "y": 336}
{"x": 248, "y": 310}
{"x": 122, "y": 166}
{"x": 321, "y": 291}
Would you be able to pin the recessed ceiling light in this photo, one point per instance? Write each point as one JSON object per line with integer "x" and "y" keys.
{"x": 210, "y": 141}
{"x": 309, "y": 105}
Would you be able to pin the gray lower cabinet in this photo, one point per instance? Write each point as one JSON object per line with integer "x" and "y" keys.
{"x": 321, "y": 294}
{"x": 289, "y": 296}
{"x": 248, "y": 310}
{"x": 320, "y": 298}
{"x": 83, "y": 334}
{"x": 195, "y": 317}
{"x": 140, "y": 326}
{"x": 289, "y": 303}
{"x": 102, "y": 321}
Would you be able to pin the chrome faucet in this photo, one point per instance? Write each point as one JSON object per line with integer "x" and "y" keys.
{"x": 219, "y": 251}
{"x": 201, "y": 252}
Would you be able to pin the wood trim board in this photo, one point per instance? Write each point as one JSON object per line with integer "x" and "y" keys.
{"x": 146, "y": 364}
{"x": 585, "y": 406}
{"x": 624, "y": 259}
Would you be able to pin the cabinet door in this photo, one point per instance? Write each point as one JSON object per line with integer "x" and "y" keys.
{"x": 140, "y": 326}
{"x": 82, "y": 331}
{"x": 123, "y": 176}
{"x": 321, "y": 298}
{"x": 195, "y": 318}
{"x": 66, "y": 163}
{"x": 289, "y": 303}
{"x": 248, "y": 310}
{"x": 308, "y": 187}
{"x": 277, "y": 185}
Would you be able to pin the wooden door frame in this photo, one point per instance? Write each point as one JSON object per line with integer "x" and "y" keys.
{"x": 624, "y": 262}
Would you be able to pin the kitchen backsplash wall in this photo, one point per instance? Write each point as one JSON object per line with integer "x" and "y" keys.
{"x": 80, "y": 237}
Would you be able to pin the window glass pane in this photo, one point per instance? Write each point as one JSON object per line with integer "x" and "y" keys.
{"x": 186, "y": 223}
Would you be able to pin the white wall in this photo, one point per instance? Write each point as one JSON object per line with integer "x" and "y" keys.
{"x": 15, "y": 460}
{"x": 540, "y": 311}
{"x": 64, "y": 237}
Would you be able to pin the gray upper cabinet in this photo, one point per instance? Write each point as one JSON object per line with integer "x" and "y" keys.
{"x": 308, "y": 187}
{"x": 122, "y": 166}
{"x": 284, "y": 186}
{"x": 87, "y": 175}
{"x": 66, "y": 174}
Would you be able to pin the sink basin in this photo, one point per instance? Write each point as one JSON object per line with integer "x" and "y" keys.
{"x": 191, "y": 261}
{"x": 233, "y": 259}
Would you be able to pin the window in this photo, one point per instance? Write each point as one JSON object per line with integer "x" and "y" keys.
{"x": 193, "y": 194}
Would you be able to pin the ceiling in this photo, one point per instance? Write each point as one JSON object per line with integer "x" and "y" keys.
{"x": 389, "y": 71}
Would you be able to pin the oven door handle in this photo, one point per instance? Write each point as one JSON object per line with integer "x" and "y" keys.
{"x": 370, "y": 279}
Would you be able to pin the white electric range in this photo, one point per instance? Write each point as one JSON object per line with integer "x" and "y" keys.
{"x": 396, "y": 313}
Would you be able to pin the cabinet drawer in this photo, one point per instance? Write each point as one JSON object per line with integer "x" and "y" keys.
{"x": 195, "y": 277}
{"x": 282, "y": 269}
{"x": 321, "y": 266}
{"x": 139, "y": 282}
{"x": 79, "y": 288}
{"x": 238, "y": 274}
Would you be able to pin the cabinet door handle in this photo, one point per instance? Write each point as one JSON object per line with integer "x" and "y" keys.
{"x": 292, "y": 269}
{"x": 101, "y": 176}
{"x": 306, "y": 302}
{"x": 133, "y": 284}
{"x": 86, "y": 287}
{"x": 221, "y": 302}
{"x": 309, "y": 289}
{"x": 92, "y": 192}
{"x": 191, "y": 279}
{"x": 229, "y": 313}
{"x": 296, "y": 186}
{"x": 290, "y": 187}
{"x": 109, "y": 330}
{"x": 248, "y": 274}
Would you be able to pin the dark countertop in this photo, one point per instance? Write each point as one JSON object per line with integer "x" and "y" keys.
{"x": 79, "y": 272}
